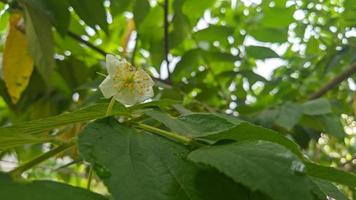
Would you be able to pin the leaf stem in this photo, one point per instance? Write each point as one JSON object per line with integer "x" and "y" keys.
{"x": 167, "y": 134}
{"x": 90, "y": 177}
{"x": 19, "y": 170}
{"x": 110, "y": 106}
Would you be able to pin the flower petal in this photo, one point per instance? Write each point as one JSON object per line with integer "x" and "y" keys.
{"x": 126, "y": 97}
{"x": 112, "y": 63}
{"x": 142, "y": 76}
{"x": 107, "y": 88}
{"x": 144, "y": 95}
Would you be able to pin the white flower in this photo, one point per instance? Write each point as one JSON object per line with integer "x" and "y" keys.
{"x": 127, "y": 84}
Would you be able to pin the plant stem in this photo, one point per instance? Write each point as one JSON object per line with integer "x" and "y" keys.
{"x": 19, "y": 170}
{"x": 88, "y": 44}
{"x": 110, "y": 106}
{"x": 167, "y": 134}
{"x": 90, "y": 177}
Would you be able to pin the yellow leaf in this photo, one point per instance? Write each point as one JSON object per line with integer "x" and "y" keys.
{"x": 17, "y": 62}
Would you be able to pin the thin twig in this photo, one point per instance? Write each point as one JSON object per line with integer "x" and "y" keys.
{"x": 334, "y": 82}
{"x": 92, "y": 46}
{"x": 102, "y": 52}
{"x": 166, "y": 39}
{"x": 19, "y": 170}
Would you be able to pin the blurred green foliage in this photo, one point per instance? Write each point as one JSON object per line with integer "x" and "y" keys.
{"x": 258, "y": 61}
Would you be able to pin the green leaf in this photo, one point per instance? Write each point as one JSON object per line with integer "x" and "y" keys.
{"x": 331, "y": 174}
{"x": 317, "y": 107}
{"x": 196, "y": 125}
{"x": 272, "y": 17}
{"x": 264, "y": 34}
{"x": 140, "y": 10}
{"x": 332, "y": 125}
{"x": 289, "y": 115}
{"x": 40, "y": 40}
{"x": 327, "y": 123}
{"x": 266, "y": 118}
{"x": 92, "y": 12}
{"x": 153, "y": 20}
{"x": 119, "y": 6}
{"x": 189, "y": 62}
{"x": 259, "y": 52}
{"x": 195, "y": 8}
{"x": 32, "y": 132}
{"x": 181, "y": 28}
{"x": 214, "y": 33}
{"x": 138, "y": 165}
{"x": 43, "y": 190}
{"x": 326, "y": 189}
{"x": 262, "y": 166}
{"x": 57, "y": 11}
{"x": 312, "y": 46}
{"x": 246, "y": 131}
{"x": 252, "y": 76}
{"x": 349, "y": 13}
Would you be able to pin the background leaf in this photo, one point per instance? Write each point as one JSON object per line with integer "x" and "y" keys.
{"x": 92, "y": 12}
{"x": 17, "y": 62}
{"x": 317, "y": 107}
{"x": 258, "y": 52}
{"x": 40, "y": 41}
{"x": 247, "y": 162}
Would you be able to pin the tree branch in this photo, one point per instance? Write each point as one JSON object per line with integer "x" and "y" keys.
{"x": 334, "y": 82}
{"x": 166, "y": 39}
{"x": 90, "y": 45}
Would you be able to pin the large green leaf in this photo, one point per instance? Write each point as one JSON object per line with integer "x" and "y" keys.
{"x": 42, "y": 190}
{"x": 32, "y": 131}
{"x": 263, "y": 166}
{"x": 40, "y": 40}
{"x": 92, "y": 12}
{"x": 196, "y": 125}
{"x": 138, "y": 165}
{"x": 246, "y": 131}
